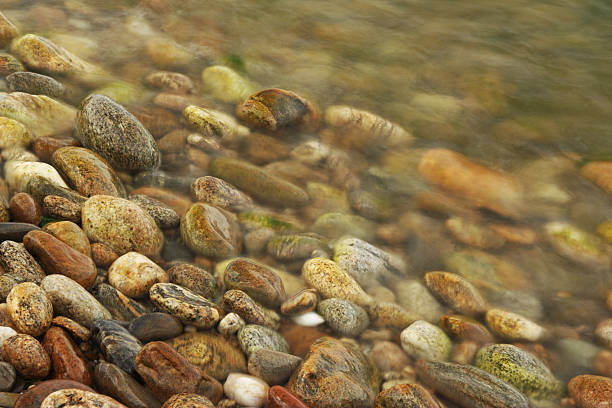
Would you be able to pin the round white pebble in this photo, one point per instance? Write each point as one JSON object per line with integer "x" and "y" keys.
{"x": 246, "y": 390}
{"x": 309, "y": 319}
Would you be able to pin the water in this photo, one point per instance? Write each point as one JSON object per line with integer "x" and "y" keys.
{"x": 519, "y": 86}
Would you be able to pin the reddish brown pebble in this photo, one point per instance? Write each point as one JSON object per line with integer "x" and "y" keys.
{"x": 602, "y": 363}
{"x": 70, "y": 234}
{"x": 103, "y": 255}
{"x": 591, "y": 391}
{"x": 188, "y": 401}
{"x": 34, "y": 396}
{"x": 76, "y": 330}
{"x": 58, "y": 258}
{"x": 27, "y": 355}
{"x": 466, "y": 328}
{"x": 456, "y": 292}
{"x": 24, "y": 208}
{"x": 388, "y": 356}
{"x": 44, "y": 147}
{"x": 280, "y": 397}
{"x": 67, "y": 360}
{"x": 62, "y": 208}
{"x": 464, "y": 352}
{"x": 406, "y": 395}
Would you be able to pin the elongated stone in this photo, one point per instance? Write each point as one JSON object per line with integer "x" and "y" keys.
{"x": 155, "y": 326}
{"x": 332, "y": 281}
{"x": 66, "y": 359}
{"x": 258, "y": 281}
{"x": 18, "y": 174}
{"x": 112, "y": 380}
{"x": 220, "y": 193}
{"x": 35, "y": 84}
{"x": 15, "y": 231}
{"x": 30, "y": 308}
{"x": 456, "y": 292}
{"x": 187, "y": 306}
{"x": 120, "y": 306}
{"x": 116, "y": 344}
{"x": 18, "y": 263}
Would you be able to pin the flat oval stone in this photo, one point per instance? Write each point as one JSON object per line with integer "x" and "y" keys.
{"x": 273, "y": 367}
{"x": 258, "y": 281}
{"x": 120, "y": 306}
{"x": 423, "y": 339}
{"x": 155, "y": 326}
{"x": 15, "y": 231}
{"x": 236, "y": 301}
{"x": 122, "y": 225}
{"x": 57, "y": 257}
{"x": 36, "y": 84}
{"x": 246, "y": 390}
{"x": 71, "y": 234}
{"x": 108, "y": 129}
{"x": 187, "y": 306}
{"x": 87, "y": 172}
{"x": 466, "y": 329}
{"x": 406, "y": 395}
{"x": 18, "y": 263}
{"x": 133, "y": 274}
{"x": 280, "y": 397}
{"x": 513, "y": 326}
{"x": 164, "y": 216}
{"x": 116, "y": 344}
{"x": 225, "y": 84}
{"x": 344, "y": 317}
{"x": 75, "y": 398}
{"x": 330, "y": 280}
{"x": 30, "y": 308}
{"x": 66, "y": 359}
{"x": 40, "y": 187}
{"x": 220, "y": 193}
{"x": 112, "y": 380}
{"x": 170, "y": 81}
{"x": 456, "y": 292}
{"x": 14, "y": 134}
{"x": 72, "y": 300}
{"x": 213, "y": 353}
{"x": 24, "y": 208}
{"x": 295, "y": 247}
{"x": 27, "y": 355}
{"x": 193, "y": 278}
{"x": 60, "y": 208}
{"x": 186, "y": 400}
{"x": 591, "y": 391}
{"x": 211, "y": 232}
{"x": 252, "y": 337}
{"x": 75, "y": 329}
{"x": 306, "y": 300}
{"x": 34, "y": 396}
{"x": 43, "y": 116}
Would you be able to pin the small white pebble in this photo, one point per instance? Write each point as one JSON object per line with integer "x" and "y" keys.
{"x": 309, "y": 319}
{"x": 230, "y": 324}
{"x": 246, "y": 390}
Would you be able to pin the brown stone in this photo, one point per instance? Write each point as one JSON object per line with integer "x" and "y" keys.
{"x": 173, "y": 142}
{"x": 76, "y": 330}
{"x": 466, "y": 328}
{"x": 34, "y": 396}
{"x": 75, "y": 398}
{"x": 178, "y": 202}
{"x": 158, "y": 121}
{"x": 103, "y": 255}
{"x": 599, "y": 173}
{"x": 70, "y": 234}
{"x": 24, "y": 208}
{"x": 58, "y": 258}
{"x": 388, "y": 356}
{"x": 258, "y": 281}
{"x": 113, "y": 381}
{"x": 30, "y": 308}
{"x": 44, "y": 147}
{"x": 27, "y": 355}
{"x": 406, "y": 396}
{"x": 280, "y": 397}
{"x": 456, "y": 292}
{"x": 591, "y": 391}
{"x": 67, "y": 361}
{"x": 301, "y": 337}
{"x": 306, "y": 300}
{"x": 62, "y": 208}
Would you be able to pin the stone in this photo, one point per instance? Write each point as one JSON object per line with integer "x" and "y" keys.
{"x": 117, "y": 345}
{"x": 193, "y": 278}
{"x": 14, "y": 134}
{"x": 308, "y": 319}
{"x": 164, "y": 216}
{"x": 335, "y": 225}
{"x": 71, "y": 234}
{"x": 469, "y": 386}
{"x": 456, "y": 292}
{"x": 600, "y": 173}
{"x": 335, "y": 374}
{"x": 30, "y": 308}
{"x": 590, "y": 391}
{"x": 35, "y": 395}
{"x": 60, "y": 208}
{"x": 155, "y": 326}
{"x": 253, "y": 337}
{"x": 177, "y": 201}
{"x": 472, "y": 233}
{"x": 8, "y": 375}
{"x": 246, "y": 390}
{"x": 42, "y": 115}
{"x": 24, "y": 208}
{"x": 577, "y": 245}
{"x": 69, "y": 398}
{"x": 120, "y": 306}
{"x": 122, "y": 225}
{"x": 520, "y": 369}
{"x": 105, "y": 127}
{"x": 260, "y": 184}
{"x": 67, "y": 361}
{"x": 44, "y": 147}
{"x": 35, "y": 84}
{"x": 345, "y": 318}
{"x": 424, "y": 340}
{"x": 388, "y": 356}
{"x": 18, "y": 263}
{"x": 133, "y": 274}
{"x": 87, "y": 172}
{"x": 406, "y": 395}
{"x": 187, "y": 306}
{"x": 513, "y": 326}
{"x": 8, "y": 31}
{"x": 296, "y": 247}
{"x": 15, "y": 231}
{"x": 57, "y": 257}
{"x": 174, "y": 82}
{"x": 262, "y": 149}
{"x": 220, "y": 193}
{"x": 166, "y": 373}
{"x": 466, "y": 329}
{"x": 230, "y": 324}
{"x": 19, "y": 173}
{"x": 72, "y": 300}
{"x": 603, "y": 333}
{"x": 211, "y": 232}
{"x": 237, "y": 301}
{"x": 5, "y": 333}
{"x": 112, "y": 380}
{"x": 102, "y": 255}
{"x": 75, "y": 329}
{"x": 27, "y": 355}
{"x": 280, "y": 397}
{"x": 215, "y": 124}
{"x": 225, "y": 84}
{"x": 185, "y": 400}
{"x": 306, "y": 300}
{"x": 273, "y": 367}
{"x": 388, "y": 315}
{"x": 9, "y": 64}
{"x": 258, "y": 281}
{"x": 40, "y": 187}
{"x": 213, "y": 353}
{"x": 330, "y": 280}
{"x": 373, "y": 206}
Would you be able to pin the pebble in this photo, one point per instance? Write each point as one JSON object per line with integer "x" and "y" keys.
{"x": 252, "y": 337}
{"x": 71, "y": 300}
{"x": 15, "y": 231}
{"x": 335, "y": 225}
{"x": 27, "y": 355}
{"x": 8, "y": 31}
{"x": 308, "y": 319}
{"x": 469, "y": 386}
{"x": 388, "y": 314}
{"x": 406, "y": 395}
{"x": 40, "y": 187}
{"x": 164, "y": 216}
{"x": 230, "y": 324}
{"x": 466, "y": 329}
{"x": 280, "y": 397}
{"x": 18, "y": 263}
{"x": 335, "y": 374}
{"x": 472, "y": 233}
{"x": 133, "y": 274}
{"x": 112, "y": 380}
{"x": 14, "y": 134}
{"x": 188, "y": 307}
{"x": 19, "y": 173}
{"x": 237, "y": 301}
{"x": 185, "y": 400}
{"x": 295, "y": 247}
{"x": 5, "y": 333}
{"x": 36, "y": 84}
{"x": 388, "y": 356}
{"x": 591, "y": 391}
{"x": 75, "y": 329}
{"x": 155, "y": 326}
{"x": 603, "y": 333}
{"x": 9, "y": 64}
{"x": 120, "y": 306}
{"x": 71, "y": 397}
{"x": 57, "y": 257}
{"x": 70, "y": 234}
{"x": 8, "y": 375}
{"x": 258, "y": 281}
{"x": 34, "y": 396}
{"x": 422, "y": 339}
{"x": 215, "y": 124}
{"x": 174, "y": 82}
{"x": 103, "y": 255}
{"x": 30, "y": 308}
{"x": 43, "y": 116}
{"x": 225, "y": 84}
{"x": 345, "y": 318}
{"x": 177, "y": 201}
{"x": 598, "y": 172}
{"x": 246, "y": 390}
{"x": 211, "y": 232}
{"x": 273, "y": 367}
{"x": 456, "y": 292}
{"x": 520, "y": 369}
{"x": 330, "y": 280}
{"x": 577, "y": 245}
{"x": 513, "y": 326}
{"x": 220, "y": 193}
{"x": 117, "y": 345}
{"x": 61, "y": 208}
{"x": 216, "y": 355}
{"x": 44, "y": 147}
{"x": 306, "y": 300}
{"x": 23, "y": 208}
{"x": 193, "y": 278}
{"x": 67, "y": 360}
{"x": 122, "y": 225}
{"x": 166, "y": 373}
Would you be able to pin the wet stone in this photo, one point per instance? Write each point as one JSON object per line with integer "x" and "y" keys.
{"x": 456, "y": 292}
{"x": 603, "y": 332}
{"x": 335, "y": 225}
{"x": 161, "y": 179}
{"x": 213, "y": 353}
{"x": 246, "y": 390}
{"x": 36, "y": 84}
{"x": 258, "y": 281}
{"x": 9, "y": 64}
{"x": 133, "y": 274}
{"x": 220, "y": 193}
{"x": 273, "y": 367}
{"x": 61, "y": 208}
{"x": 187, "y": 306}
{"x": 591, "y": 391}
{"x": 230, "y": 324}
{"x": 116, "y": 344}
{"x": 472, "y": 233}
{"x": 102, "y": 254}
{"x": 345, "y": 318}
{"x": 406, "y": 395}
{"x": 71, "y": 234}
{"x": 155, "y": 326}
{"x": 35, "y": 395}
{"x": 253, "y": 337}
{"x": 170, "y": 81}
{"x": 6, "y": 285}
{"x": 15, "y": 231}
{"x": 215, "y": 124}
{"x": 18, "y": 263}
{"x": 306, "y": 300}
{"x": 295, "y": 247}
{"x": 513, "y": 326}
{"x": 120, "y": 306}
{"x": 27, "y": 355}
{"x": 164, "y": 216}
{"x": 185, "y": 400}
{"x": 75, "y": 398}
{"x": 24, "y": 208}
{"x": 388, "y": 356}
{"x": 280, "y": 397}
{"x": 14, "y": 134}
{"x": 44, "y": 147}
{"x": 75, "y": 329}
{"x": 226, "y": 84}
{"x": 8, "y": 376}
{"x": 577, "y": 245}
{"x": 67, "y": 360}
{"x": 237, "y": 301}
{"x": 113, "y": 381}
{"x": 466, "y": 329}
{"x": 41, "y": 187}
{"x": 193, "y": 278}
{"x": 42, "y": 115}
{"x": 30, "y": 308}
{"x": 424, "y": 340}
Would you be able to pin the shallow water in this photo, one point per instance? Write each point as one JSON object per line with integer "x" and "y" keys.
{"x": 519, "y": 86}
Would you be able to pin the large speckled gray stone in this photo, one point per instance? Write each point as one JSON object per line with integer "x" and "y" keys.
{"x": 253, "y": 337}
{"x": 344, "y": 317}
{"x": 107, "y": 128}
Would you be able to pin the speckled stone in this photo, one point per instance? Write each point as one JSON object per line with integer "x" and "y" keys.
{"x": 513, "y": 326}
{"x": 187, "y": 306}
{"x": 273, "y": 367}
{"x": 70, "y": 234}
{"x": 406, "y": 395}
{"x": 155, "y": 326}
{"x": 344, "y": 317}
{"x": 122, "y": 225}
{"x": 108, "y": 129}
{"x": 220, "y": 193}
{"x": 61, "y": 208}
{"x": 230, "y": 324}
{"x": 35, "y": 395}
{"x": 72, "y": 397}
{"x": 133, "y": 274}
{"x": 193, "y": 278}
{"x": 170, "y": 81}
{"x": 591, "y": 391}
{"x": 388, "y": 315}
{"x": 8, "y": 31}
{"x": 41, "y": 187}
{"x": 72, "y": 300}
{"x": 117, "y": 345}
{"x": 296, "y": 247}
{"x": 120, "y": 306}
{"x": 186, "y": 400}
{"x": 36, "y": 84}
{"x": 43, "y": 116}
{"x": 330, "y": 280}
{"x": 466, "y": 329}
{"x": 76, "y": 330}
{"x": 422, "y": 339}
{"x": 521, "y": 369}
{"x": 9, "y": 64}
{"x": 23, "y": 208}
{"x": 113, "y": 381}
{"x": 27, "y": 355}
{"x": 306, "y": 300}
{"x": 258, "y": 281}
{"x": 164, "y": 216}
{"x": 8, "y": 375}
{"x": 237, "y": 301}
{"x": 212, "y": 352}
{"x": 66, "y": 359}
{"x": 14, "y": 134}
{"x": 18, "y": 263}
{"x": 456, "y": 292}
{"x": 30, "y": 308}
{"x": 253, "y": 337}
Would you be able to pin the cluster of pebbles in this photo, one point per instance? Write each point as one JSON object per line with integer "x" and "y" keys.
{"x": 176, "y": 255}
